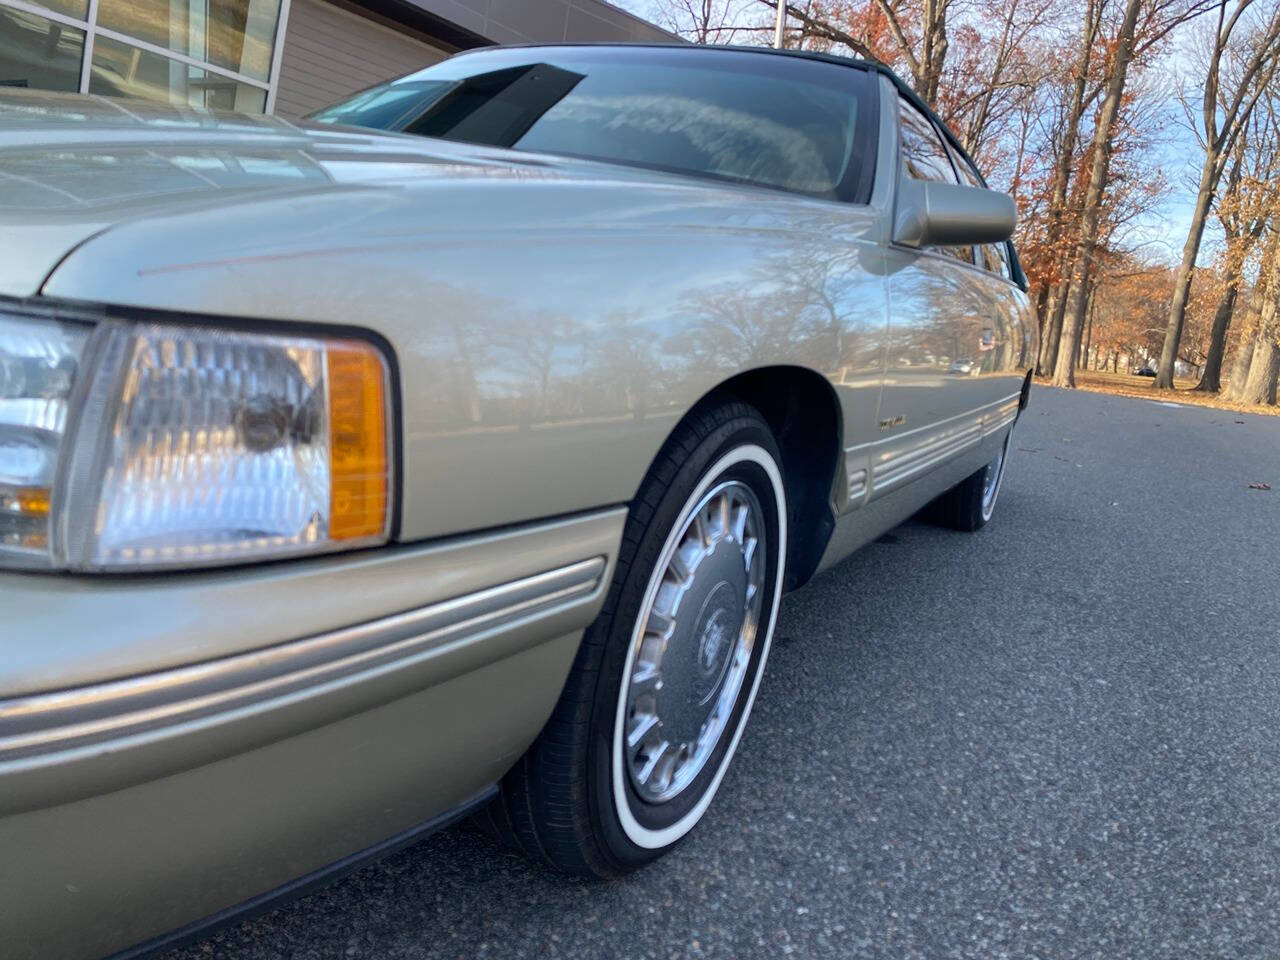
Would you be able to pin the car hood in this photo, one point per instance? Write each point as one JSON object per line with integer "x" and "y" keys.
{"x": 73, "y": 168}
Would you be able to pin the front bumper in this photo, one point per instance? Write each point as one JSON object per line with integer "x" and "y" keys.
{"x": 158, "y": 786}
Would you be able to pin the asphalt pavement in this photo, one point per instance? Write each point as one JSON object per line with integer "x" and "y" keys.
{"x": 1058, "y": 737}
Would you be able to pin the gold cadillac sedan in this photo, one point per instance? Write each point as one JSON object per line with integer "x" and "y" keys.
{"x": 450, "y": 453}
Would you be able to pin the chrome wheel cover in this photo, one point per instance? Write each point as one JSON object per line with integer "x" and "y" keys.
{"x": 991, "y": 482}
{"x": 693, "y": 649}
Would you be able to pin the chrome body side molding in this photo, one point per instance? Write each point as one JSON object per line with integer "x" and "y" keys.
{"x": 1003, "y": 416}
{"x": 857, "y": 483}
{"x": 875, "y": 469}
{"x": 39, "y": 727}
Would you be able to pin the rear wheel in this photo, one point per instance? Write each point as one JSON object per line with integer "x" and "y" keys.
{"x": 970, "y": 504}
{"x": 664, "y": 679}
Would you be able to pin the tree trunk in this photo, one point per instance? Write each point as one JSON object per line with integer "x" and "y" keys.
{"x": 1240, "y": 368}
{"x": 1104, "y": 129}
{"x": 1072, "y": 320}
{"x": 1088, "y": 337}
{"x": 933, "y": 49}
{"x": 1244, "y": 356}
{"x": 1253, "y": 329}
{"x": 1211, "y": 379}
{"x": 1186, "y": 271}
{"x": 1042, "y": 301}
{"x": 1042, "y": 311}
{"x": 1224, "y": 114}
{"x": 1260, "y": 384}
{"x": 1053, "y": 332}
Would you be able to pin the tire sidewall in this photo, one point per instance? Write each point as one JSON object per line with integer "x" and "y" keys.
{"x": 985, "y": 514}
{"x": 631, "y": 833}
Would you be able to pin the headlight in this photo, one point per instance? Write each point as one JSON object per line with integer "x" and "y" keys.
{"x": 188, "y": 445}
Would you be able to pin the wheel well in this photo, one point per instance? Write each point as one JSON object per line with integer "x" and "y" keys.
{"x": 803, "y": 411}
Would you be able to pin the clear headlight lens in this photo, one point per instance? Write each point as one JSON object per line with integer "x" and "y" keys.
{"x": 38, "y": 364}
{"x": 197, "y": 446}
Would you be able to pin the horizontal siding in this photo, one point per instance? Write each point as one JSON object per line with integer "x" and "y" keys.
{"x": 349, "y": 63}
{"x": 330, "y": 53}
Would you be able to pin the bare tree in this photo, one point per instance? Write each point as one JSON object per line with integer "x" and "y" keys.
{"x": 1008, "y": 74}
{"x": 1225, "y": 108}
{"x": 817, "y": 24}
{"x": 1244, "y": 348}
{"x": 1264, "y": 362}
{"x": 1255, "y": 381}
{"x": 706, "y": 21}
{"x": 1079, "y": 101}
{"x": 918, "y": 29}
{"x": 1244, "y": 207}
{"x": 1103, "y": 142}
{"x": 925, "y": 51}
{"x": 1158, "y": 18}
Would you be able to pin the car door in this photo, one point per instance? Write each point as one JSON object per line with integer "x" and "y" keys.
{"x": 948, "y": 334}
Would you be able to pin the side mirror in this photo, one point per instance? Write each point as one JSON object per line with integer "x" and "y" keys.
{"x": 948, "y": 214}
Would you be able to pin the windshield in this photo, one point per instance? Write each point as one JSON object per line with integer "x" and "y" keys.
{"x": 386, "y": 106}
{"x": 751, "y": 118}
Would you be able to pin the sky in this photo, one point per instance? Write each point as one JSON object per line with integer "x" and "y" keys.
{"x": 1162, "y": 231}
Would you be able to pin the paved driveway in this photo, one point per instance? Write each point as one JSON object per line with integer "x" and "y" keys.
{"x": 1056, "y": 738}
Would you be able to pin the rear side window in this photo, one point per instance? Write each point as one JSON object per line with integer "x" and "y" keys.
{"x": 795, "y": 125}
{"x": 925, "y": 157}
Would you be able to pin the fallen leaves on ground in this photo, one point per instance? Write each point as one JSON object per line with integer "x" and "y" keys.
{"x": 1123, "y": 385}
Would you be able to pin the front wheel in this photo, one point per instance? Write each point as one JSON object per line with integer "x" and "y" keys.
{"x": 664, "y": 679}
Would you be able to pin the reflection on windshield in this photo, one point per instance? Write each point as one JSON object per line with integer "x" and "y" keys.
{"x": 731, "y": 124}
{"x": 497, "y": 108}
{"x": 386, "y": 107}
{"x": 686, "y": 133}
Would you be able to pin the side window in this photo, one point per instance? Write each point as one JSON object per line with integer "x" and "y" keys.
{"x": 923, "y": 155}
{"x": 994, "y": 256}
{"x": 925, "y": 158}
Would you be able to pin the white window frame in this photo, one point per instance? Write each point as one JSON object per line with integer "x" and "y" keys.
{"x": 91, "y": 30}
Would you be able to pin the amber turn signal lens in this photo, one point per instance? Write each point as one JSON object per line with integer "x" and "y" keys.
{"x": 359, "y": 476}
{"x": 32, "y": 501}
{"x": 24, "y": 517}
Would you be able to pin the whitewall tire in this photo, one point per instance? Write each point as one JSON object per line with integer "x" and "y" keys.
{"x": 665, "y": 679}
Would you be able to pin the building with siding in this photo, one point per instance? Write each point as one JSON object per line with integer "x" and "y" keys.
{"x": 287, "y": 57}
